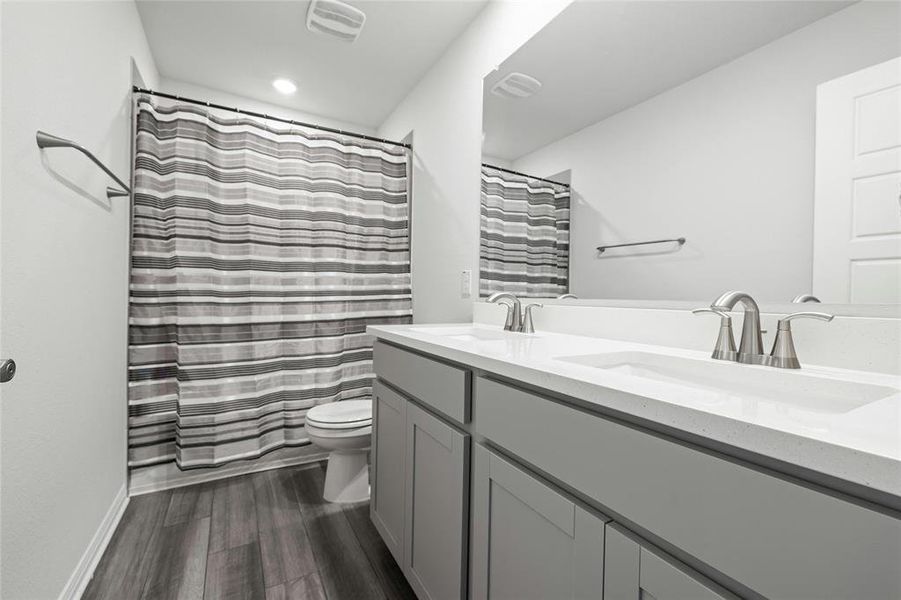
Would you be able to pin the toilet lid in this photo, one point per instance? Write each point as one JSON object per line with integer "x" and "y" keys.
{"x": 348, "y": 414}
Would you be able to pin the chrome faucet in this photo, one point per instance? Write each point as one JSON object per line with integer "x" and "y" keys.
{"x": 514, "y": 309}
{"x": 802, "y": 298}
{"x": 750, "y": 350}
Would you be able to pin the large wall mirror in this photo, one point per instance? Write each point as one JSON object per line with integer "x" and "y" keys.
{"x": 675, "y": 150}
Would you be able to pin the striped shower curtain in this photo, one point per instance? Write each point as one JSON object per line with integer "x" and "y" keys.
{"x": 524, "y": 237}
{"x": 259, "y": 256}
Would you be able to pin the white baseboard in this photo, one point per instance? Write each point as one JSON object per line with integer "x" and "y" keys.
{"x": 147, "y": 480}
{"x": 84, "y": 570}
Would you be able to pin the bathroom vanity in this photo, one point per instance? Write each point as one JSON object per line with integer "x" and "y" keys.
{"x": 555, "y": 466}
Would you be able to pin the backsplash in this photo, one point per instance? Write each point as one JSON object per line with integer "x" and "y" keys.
{"x": 860, "y": 343}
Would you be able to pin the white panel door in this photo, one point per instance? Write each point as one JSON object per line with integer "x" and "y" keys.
{"x": 857, "y": 210}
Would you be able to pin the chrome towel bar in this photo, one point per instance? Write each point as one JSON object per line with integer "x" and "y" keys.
{"x": 45, "y": 140}
{"x": 680, "y": 240}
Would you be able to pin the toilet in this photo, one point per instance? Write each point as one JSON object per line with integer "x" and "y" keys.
{"x": 345, "y": 429}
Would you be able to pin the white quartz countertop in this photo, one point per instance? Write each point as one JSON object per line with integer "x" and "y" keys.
{"x": 861, "y": 445}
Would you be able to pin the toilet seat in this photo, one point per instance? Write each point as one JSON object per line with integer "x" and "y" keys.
{"x": 341, "y": 416}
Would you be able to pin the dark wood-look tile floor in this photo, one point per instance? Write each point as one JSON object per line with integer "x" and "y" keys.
{"x": 267, "y": 535}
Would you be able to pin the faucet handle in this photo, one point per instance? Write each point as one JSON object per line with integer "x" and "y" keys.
{"x": 712, "y": 311}
{"x": 785, "y": 322}
{"x": 783, "y": 354}
{"x": 527, "y": 325}
{"x": 725, "y": 341}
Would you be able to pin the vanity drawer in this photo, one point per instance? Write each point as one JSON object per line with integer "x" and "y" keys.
{"x": 776, "y": 537}
{"x": 442, "y": 387}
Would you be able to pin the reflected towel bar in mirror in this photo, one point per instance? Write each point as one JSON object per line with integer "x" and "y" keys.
{"x": 45, "y": 140}
{"x": 681, "y": 242}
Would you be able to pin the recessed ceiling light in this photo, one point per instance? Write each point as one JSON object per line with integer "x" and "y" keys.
{"x": 285, "y": 86}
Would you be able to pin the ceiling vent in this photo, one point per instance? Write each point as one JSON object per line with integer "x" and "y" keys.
{"x": 335, "y": 18}
{"x": 516, "y": 85}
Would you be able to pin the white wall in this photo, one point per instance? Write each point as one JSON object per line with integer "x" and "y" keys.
{"x": 199, "y": 92}
{"x": 497, "y": 161}
{"x": 67, "y": 70}
{"x": 2, "y": 356}
{"x": 444, "y": 112}
{"x": 726, "y": 160}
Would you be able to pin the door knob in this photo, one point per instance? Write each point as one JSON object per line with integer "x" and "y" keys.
{"x": 7, "y": 370}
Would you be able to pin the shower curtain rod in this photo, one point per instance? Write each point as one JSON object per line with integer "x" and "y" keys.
{"x": 251, "y": 113}
{"x": 524, "y": 174}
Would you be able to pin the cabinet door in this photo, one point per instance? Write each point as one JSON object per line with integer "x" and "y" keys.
{"x": 621, "y": 559}
{"x": 386, "y": 506}
{"x": 437, "y": 488}
{"x": 529, "y": 541}
{"x": 664, "y": 580}
{"x": 634, "y": 572}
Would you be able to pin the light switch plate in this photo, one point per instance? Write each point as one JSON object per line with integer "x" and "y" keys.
{"x": 466, "y": 283}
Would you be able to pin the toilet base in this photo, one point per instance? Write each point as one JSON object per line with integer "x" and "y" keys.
{"x": 347, "y": 476}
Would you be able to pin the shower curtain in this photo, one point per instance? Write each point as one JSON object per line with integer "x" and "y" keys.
{"x": 524, "y": 238}
{"x": 260, "y": 253}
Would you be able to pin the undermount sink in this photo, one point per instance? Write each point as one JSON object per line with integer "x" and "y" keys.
{"x": 464, "y": 333}
{"x": 719, "y": 381}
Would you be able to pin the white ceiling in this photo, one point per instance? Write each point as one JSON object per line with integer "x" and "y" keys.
{"x": 599, "y": 58}
{"x": 241, "y": 46}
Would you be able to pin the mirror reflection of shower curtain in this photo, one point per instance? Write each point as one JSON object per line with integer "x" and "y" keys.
{"x": 260, "y": 253}
{"x": 524, "y": 235}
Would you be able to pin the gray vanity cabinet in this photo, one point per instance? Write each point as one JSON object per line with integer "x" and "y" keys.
{"x": 528, "y": 540}
{"x": 388, "y": 471}
{"x": 757, "y": 531}
{"x": 437, "y": 486}
{"x": 635, "y": 572}
{"x": 770, "y": 534}
{"x": 420, "y": 469}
